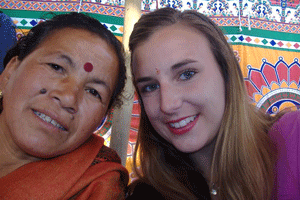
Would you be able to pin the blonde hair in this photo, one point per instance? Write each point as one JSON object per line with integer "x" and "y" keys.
{"x": 242, "y": 165}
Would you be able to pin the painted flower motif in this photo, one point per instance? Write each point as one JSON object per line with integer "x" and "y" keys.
{"x": 275, "y": 87}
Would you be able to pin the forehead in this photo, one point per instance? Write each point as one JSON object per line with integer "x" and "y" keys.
{"x": 81, "y": 39}
{"x": 171, "y": 44}
{"x": 81, "y": 47}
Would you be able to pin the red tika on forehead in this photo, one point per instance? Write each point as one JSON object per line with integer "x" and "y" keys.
{"x": 157, "y": 71}
{"x": 88, "y": 67}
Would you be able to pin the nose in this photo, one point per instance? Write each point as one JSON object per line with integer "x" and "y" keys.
{"x": 170, "y": 99}
{"x": 66, "y": 93}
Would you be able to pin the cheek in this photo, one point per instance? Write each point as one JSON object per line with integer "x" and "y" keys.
{"x": 220, "y": 98}
{"x": 151, "y": 105}
{"x": 25, "y": 84}
{"x": 96, "y": 117}
{"x": 92, "y": 117}
{"x": 95, "y": 121}
{"x": 217, "y": 109}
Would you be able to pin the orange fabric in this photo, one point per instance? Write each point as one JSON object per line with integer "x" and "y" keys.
{"x": 67, "y": 176}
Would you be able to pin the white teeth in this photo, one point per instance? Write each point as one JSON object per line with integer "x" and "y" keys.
{"x": 183, "y": 123}
{"x": 49, "y": 120}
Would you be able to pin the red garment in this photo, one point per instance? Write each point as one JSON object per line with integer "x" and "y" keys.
{"x": 89, "y": 172}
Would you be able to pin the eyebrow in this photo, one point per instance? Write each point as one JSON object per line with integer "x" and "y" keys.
{"x": 68, "y": 59}
{"x": 144, "y": 79}
{"x": 100, "y": 82}
{"x": 182, "y": 63}
{"x": 174, "y": 67}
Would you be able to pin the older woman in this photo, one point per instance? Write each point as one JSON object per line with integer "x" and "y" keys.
{"x": 58, "y": 84}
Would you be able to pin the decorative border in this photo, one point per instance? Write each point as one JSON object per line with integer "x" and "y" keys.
{"x": 63, "y": 6}
{"x": 256, "y": 24}
{"x": 25, "y": 19}
{"x": 28, "y": 23}
{"x": 118, "y": 11}
{"x": 235, "y": 38}
{"x": 263, "y": 41}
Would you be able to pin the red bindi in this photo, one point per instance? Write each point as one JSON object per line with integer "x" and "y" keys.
{"x": 157, "y": 70}
{"x": 88, "y": 67}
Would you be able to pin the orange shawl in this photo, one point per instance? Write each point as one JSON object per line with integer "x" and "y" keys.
{"x": 70, "y": 176}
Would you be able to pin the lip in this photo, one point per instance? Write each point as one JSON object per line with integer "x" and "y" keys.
{"x": 185, "y": 129}
{"x": 53, "y": 116}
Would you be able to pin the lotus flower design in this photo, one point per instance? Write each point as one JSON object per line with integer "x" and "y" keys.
{"x": 274, "y": 87}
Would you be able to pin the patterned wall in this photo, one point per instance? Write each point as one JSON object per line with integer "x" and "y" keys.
{"x": 265, "y": 35}
{"x": 272, "y": 10}
{"x": 277, "y": 15}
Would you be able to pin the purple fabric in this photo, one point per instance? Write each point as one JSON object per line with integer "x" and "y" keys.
{"x": 285, "y": 134}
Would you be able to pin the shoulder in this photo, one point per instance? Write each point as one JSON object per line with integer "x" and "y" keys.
{"x": 287, "y": 127}
{"x": 6, "y": 20}
{"x": 142, "y": 190}
{"x": 106, "y": 154}
{"x": 293, "y": 115}
{"x": 285, "y": 134}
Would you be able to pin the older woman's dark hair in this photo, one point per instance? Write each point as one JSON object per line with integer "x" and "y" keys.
{"x": 40, "y": 32}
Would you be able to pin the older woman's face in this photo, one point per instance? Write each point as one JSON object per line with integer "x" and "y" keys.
{"x": 76, "y": 99}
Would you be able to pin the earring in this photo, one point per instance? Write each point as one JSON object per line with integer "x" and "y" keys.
{"x": 1, "y": 101}
{"x": 43, "y": 91}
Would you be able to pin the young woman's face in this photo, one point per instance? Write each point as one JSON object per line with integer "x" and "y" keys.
{"x": 76, "y": 98}
{"x": 181, "y": 86}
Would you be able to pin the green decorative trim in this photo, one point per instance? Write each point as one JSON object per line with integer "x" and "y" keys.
{"x": 265, "y": 47}
{"x": 261, "y": 33}
{"x": 47, "y": 15}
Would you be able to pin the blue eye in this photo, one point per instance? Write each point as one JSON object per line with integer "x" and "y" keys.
{"x": 150, "y": 88}
{"x": 56, "y": 67}
{"x": 187, "y": 75}
{"x": 94, "y": 93}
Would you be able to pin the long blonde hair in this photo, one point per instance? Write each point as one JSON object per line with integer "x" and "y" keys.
{"x": 242, "y": 165}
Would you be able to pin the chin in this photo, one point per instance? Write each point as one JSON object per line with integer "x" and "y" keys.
{"x": 188, "y": 149}
{"x": 45, "y": 153}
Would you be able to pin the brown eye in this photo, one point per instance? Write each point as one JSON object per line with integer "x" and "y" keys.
{"x": 56, "y": 67}
{"x": 94, "y": 93}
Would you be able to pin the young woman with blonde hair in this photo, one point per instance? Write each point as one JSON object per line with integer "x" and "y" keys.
{"x": 199, "y": 137}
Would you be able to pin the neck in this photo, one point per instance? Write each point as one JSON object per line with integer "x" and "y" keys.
{"x": 203, "y": 159}
{"x": 11, "y": 156}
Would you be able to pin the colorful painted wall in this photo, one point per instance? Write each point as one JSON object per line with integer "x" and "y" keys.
{"x": 265, "y": 36}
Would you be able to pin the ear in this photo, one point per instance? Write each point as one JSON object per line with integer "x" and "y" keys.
{"x": 10, "y": 68}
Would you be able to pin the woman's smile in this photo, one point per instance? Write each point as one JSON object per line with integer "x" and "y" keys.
{"x": 49, "y": 120}
{"x": 182, "y": 126}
